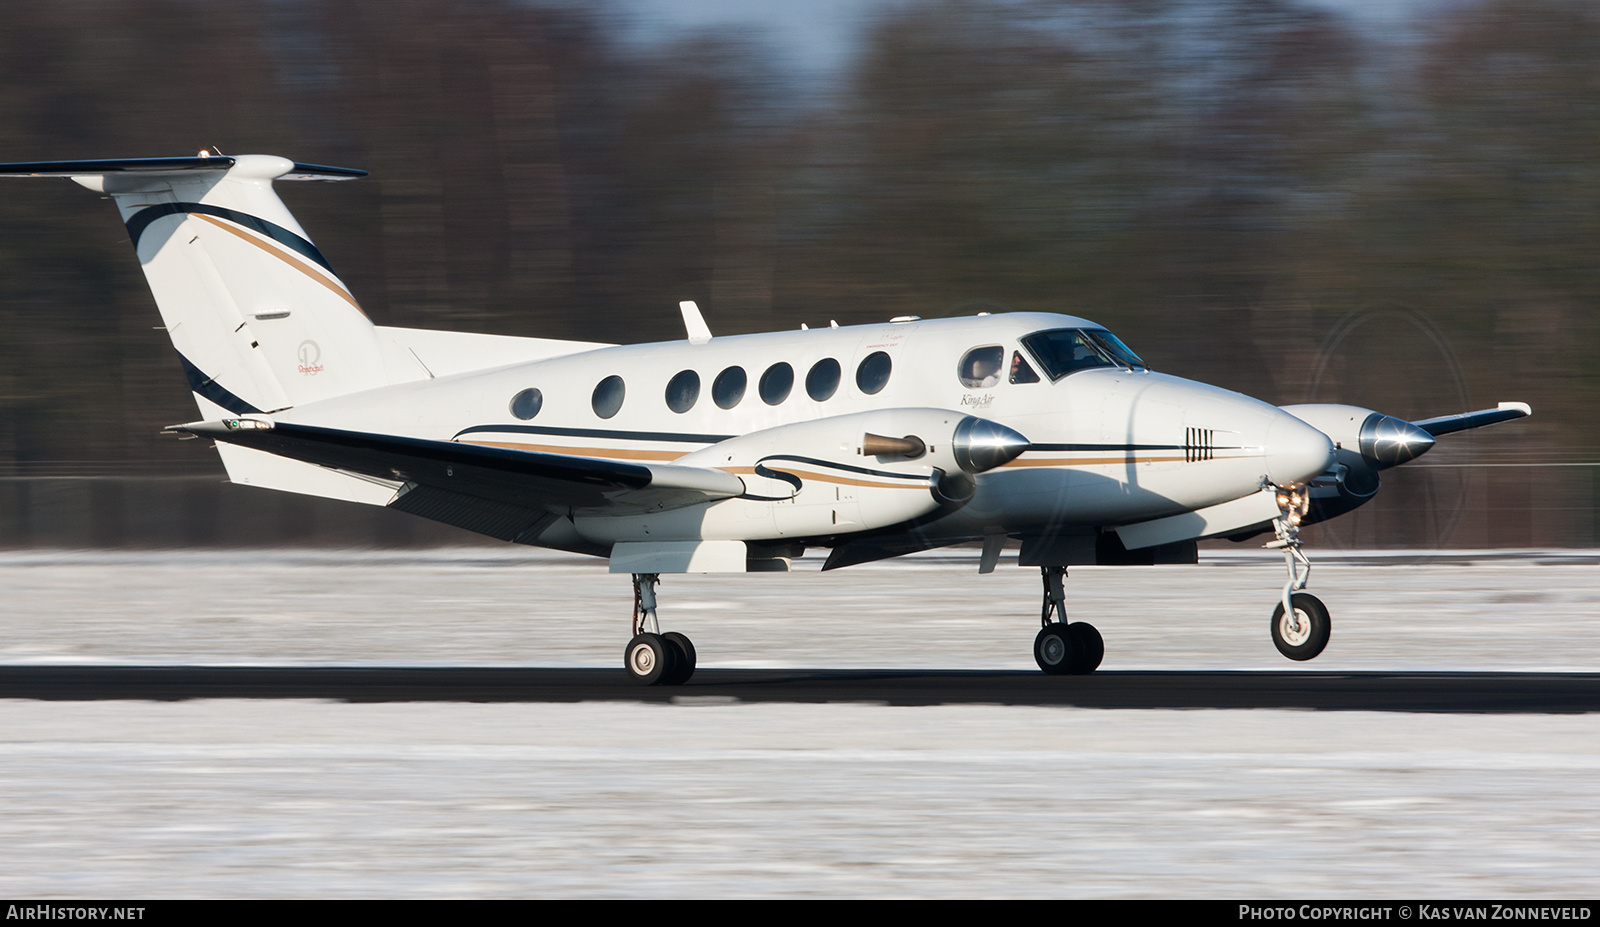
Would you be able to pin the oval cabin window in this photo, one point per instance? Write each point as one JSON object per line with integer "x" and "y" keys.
{"x": 607, "y": 397}
{"x": 683, "y": 390}
{"x": 823, "y": 380}
{"x": 872, "y": 375}
{"x": 728, "y": 388}
{"x": 776, "y": 383}
{"x": 526, "y": 404}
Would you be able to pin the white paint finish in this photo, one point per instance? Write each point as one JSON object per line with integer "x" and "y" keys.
{"x": 694, "y": 323}
{"x": 1101, "y": 410}
{"x": 249, "y": 467}
{"x": 1206, "y": 522}
{"x": 447, "y": 353}
{"x": 678, "y": 557}
{"x": 209, "y": 274}
{"x": 1341, "y": 423}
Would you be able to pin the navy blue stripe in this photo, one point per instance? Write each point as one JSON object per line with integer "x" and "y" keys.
{"x": 596, "y": 433}
{"x": 770, "y": 474}
{"x": 828, "y": 464}
{"x": 141, "y": 220}
{"x": 798, "y": 484}
{"x": 1106, "y": 447}
{"x": 685, "y": 437}
{"x": 213, "y": 390}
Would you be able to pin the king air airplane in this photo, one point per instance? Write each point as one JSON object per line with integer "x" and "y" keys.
{"x": 731, "y": 454}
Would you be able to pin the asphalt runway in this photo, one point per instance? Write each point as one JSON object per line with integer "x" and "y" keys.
{"x": 1347, "y": 691}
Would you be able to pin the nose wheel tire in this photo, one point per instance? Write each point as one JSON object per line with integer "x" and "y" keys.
{"x": 1068, "y": 649}
{"x": 650, "y": 659}
{"x": 1305, "y": 637}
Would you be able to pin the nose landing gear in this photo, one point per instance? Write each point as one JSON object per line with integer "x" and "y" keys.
{"x": 1300, "y": 623}
{"x": 1062, "y": 648}
{"x": 653, "y": 658}
{"x": 1301, "y": 634}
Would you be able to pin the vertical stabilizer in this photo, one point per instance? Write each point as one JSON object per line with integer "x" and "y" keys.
{"x": 256, "y": 313}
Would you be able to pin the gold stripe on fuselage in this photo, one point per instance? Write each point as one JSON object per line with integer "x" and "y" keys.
{"x": 607, "y": 453}
{"x": 1099, "y": 461}
{"x": 920, "y": 483}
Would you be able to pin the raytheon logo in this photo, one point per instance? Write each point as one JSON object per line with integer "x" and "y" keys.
{"x": 310, "y": 355}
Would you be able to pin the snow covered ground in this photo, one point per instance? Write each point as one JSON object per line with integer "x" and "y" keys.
{"x": 285, "y": 798}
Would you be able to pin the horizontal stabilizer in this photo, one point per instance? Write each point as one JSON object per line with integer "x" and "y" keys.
{"x": 164, "y": 166}
{"x": 1449, "y": 424}
{"x": 525, "y": 479}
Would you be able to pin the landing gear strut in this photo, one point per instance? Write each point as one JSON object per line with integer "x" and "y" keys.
{"x": 653, "y": 658}
{"x": 1063, "y": 648}
{"x": 1300, "y": 623}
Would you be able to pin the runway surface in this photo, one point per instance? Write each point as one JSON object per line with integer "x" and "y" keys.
{"x": 454, "y": 724}
{"x": 1358, "y": 691}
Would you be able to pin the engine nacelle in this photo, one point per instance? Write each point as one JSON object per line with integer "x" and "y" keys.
{"x": 1365, "y": 442}
{"x": 833, "y": 476}
{"x": 862, "y": 471}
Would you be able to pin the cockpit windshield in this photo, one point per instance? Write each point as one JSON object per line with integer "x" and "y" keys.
{"x": 1064, "y": 350}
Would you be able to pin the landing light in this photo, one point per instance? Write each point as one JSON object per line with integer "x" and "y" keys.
{"x": 246, "y": 424}
{"x": 1295, "y": 501}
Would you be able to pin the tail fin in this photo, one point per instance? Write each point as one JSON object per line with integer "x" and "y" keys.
{"x": 257, "y": 315}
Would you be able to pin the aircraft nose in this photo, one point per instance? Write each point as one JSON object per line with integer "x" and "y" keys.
{"x": 1296, "y": 452}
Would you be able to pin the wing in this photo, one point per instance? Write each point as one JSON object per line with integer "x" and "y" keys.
{"x": 501, "y": 492}
{"x": 1449, "y": 424}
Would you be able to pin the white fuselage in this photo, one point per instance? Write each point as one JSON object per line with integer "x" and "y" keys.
{"x": 1109, "y": 445}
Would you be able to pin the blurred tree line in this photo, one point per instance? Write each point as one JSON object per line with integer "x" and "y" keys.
{"x": 1254, "y": 193}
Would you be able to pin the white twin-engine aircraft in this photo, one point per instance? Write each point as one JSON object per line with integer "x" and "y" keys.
{"x": 731, "y": 454}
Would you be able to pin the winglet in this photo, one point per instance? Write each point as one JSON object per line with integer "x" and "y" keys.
{"x": 694, "y": 322}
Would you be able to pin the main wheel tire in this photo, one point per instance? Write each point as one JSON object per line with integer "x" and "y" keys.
{"x": 1057, "y": 650}
{"x": 1308, "y": 640}
{"x": 685, "y": 658}
{"x": 1091, "y": 646}
{"x": 649, "y": 659}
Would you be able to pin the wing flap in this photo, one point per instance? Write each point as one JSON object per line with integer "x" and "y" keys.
{"x": 473, "y": 513}
{"x": 526, "y": 480}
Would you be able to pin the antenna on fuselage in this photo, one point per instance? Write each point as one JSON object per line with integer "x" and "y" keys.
{"x": 694, "y": 322}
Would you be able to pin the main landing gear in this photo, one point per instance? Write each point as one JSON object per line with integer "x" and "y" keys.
{"x": 653, "y": 658}
{"x": 1063, "y": 648}
{"x": 1300, "y": 623}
